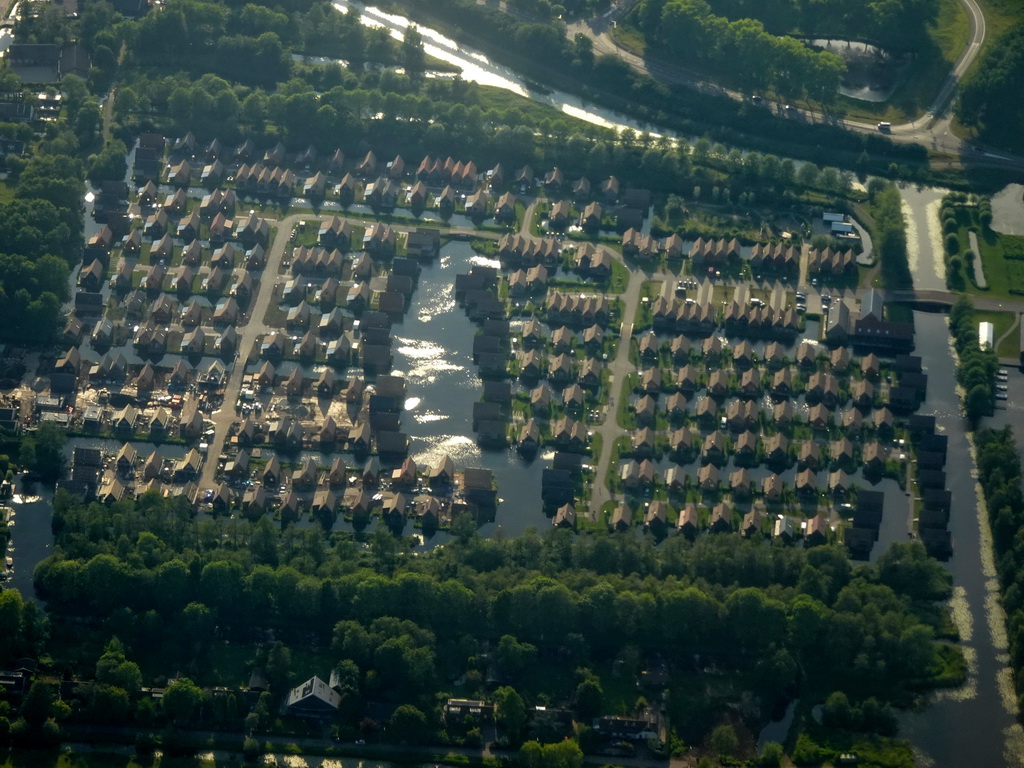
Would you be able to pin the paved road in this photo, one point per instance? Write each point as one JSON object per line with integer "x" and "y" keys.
{"x": 247, "y": 335}
{"x": 619, "y": 368}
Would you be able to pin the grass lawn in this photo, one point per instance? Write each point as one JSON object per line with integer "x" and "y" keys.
{"x": 1005, "y": 276}
{"x": 629, "y": 37}
{"x": 1003, "y": 321}
{"x": 620, "y": 277}
{"x": 532, "y": 111}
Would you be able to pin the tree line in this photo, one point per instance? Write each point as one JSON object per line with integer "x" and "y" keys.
{"x": 40, "y": 239}
{"x": 1000, "y": 475}
{"x": 976, "y": 367}
{"x": 890, "y": 231}
{"x": 211, "y": 31}
{"x": 897, "y": 25}
{"x": 402, "y": 627}
{"x": 741, "y": 50}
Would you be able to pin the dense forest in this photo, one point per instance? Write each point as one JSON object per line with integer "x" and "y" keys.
{"x": 989, "y": 98}
{"x": 540, "y": 614}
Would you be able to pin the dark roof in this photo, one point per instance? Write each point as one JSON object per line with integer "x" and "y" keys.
{"x": 931, "y": 478}
{"x": 937, "y": 542}
{"x": 572, "y": 462}
{"x": 870, "y": 500}
{"x": 935, "y": 498}
{"x": 920, "y": 424}
{"x": 497, "y": 391}
{"x": 859, "y": 542}
{"x": 908, "y": 363}
{"x": 936, "y": 443}
{"x": 933, "y": 518}
{"x": 930, "y": 460}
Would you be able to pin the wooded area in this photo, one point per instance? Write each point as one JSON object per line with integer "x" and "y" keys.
{"x": 989, "y": 100}
{"x": 527, "y": 613}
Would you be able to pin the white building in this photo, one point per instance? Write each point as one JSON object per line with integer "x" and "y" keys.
{"x": 986, "y": 335}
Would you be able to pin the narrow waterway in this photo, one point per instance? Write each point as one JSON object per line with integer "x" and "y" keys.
{"x": 31, "y": 535}
{"x": 433, "y": 349}
{"x": 974, "y": 725}
{"x": 924, "y": 236}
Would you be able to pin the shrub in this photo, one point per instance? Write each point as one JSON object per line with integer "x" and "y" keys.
{"x": 806, "y": 752}
{"x": 952, "y": 244}
{"x": 251, "y": 749}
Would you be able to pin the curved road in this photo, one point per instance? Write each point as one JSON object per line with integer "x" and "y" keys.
{"x": 931, "y": 130}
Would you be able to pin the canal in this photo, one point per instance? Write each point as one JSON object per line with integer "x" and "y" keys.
{"x": 31, "y": 535}
{"x": 924, "y": 236}
{"x": 433, "y": 350}
{"x": 476, "y": 67}
{"x": 973, "y": 725}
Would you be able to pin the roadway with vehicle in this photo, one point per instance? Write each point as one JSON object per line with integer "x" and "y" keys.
{"x": 932, "y": 130}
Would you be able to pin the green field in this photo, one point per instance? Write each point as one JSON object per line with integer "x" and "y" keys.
{"x": 1002, "y": 257}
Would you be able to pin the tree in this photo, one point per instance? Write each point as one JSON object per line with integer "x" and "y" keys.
{"x": 807, "y": 175}
{"x": 113, "y": 669}
{"x": 411, "y": 54}
{"x": 180, "y": 701}
{"x": 39, "y": 704}
{"x": 510, "y": 711}
{"x": 978, "y": 402}
{"x": 48, "y": 460}
{"x": 89, "y": 121}
{"x": 408, "y": 723}
{"x": 589, "y": 698}
{"x": 806, "y": 752}
{"x": 563, "y": 754}
{"x": 724, "y": 741}
{"x": 110, "y": 164}
{"x": 513, "y": 657}
{"x": 279, "y": 667}
{"x": 771, "y": 755}
{"x": 907, "y": 568}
